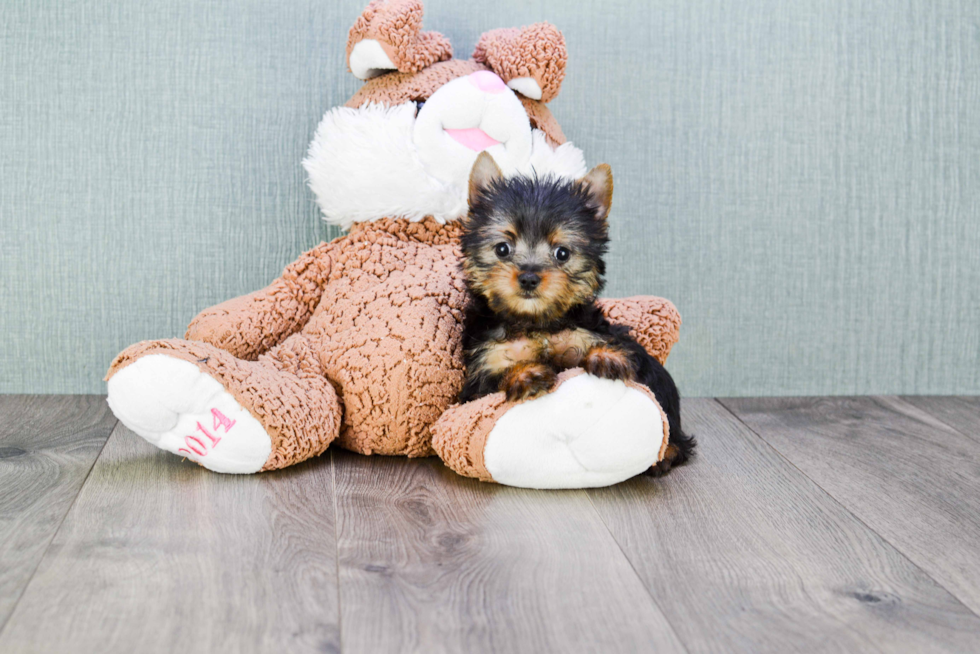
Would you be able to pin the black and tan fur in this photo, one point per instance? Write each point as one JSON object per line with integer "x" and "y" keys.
{"x": 533, "y": 258}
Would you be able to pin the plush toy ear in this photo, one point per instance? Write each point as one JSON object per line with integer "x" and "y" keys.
{"x": 531, "y": 60}
{"x": 598, "y": 184}
{"x": 484, "y": 173}
{"x": 387, "y": 36}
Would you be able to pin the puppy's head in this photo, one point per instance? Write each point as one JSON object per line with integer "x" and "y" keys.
{"x": 532, "y": 247}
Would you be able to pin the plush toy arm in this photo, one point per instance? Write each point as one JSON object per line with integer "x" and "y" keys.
{"x": 249, "y": 325}
{"x": 653, "y": 321}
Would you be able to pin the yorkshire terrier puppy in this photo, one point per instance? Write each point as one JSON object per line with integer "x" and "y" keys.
{"x": 533, "y": 261}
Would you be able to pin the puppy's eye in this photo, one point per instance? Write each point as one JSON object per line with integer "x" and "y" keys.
{"x": 501, "y": 250}
{"x": 562, "y": 254}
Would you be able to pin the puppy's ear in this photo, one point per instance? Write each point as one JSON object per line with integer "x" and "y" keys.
{"x": 484, "y": 173}
{"x": 598, "y": 186}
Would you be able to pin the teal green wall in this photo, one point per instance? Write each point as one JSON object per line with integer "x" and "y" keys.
{"x": 801, "y": 178}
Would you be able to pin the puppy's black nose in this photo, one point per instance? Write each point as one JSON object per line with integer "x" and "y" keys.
{"x": 528, "y": 280}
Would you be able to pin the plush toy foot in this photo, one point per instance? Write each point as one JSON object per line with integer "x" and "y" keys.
{"x": 176, "y": 406}
{"x": 589, "y": 432}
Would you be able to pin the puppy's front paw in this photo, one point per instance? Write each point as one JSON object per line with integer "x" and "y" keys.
{"x": 608, "y": 362}
{"x": 527, "y": 380}
{"x": 672, "y": 457}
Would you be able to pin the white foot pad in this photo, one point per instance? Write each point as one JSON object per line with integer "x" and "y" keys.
{"x": 177, "y": 407}
{"x": 590, "y": 432}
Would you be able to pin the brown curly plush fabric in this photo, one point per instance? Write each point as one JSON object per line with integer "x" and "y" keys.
{"x": 396, "y": 25}
{"x": 286, "y": 390}
{"x": 654, "y": 322}
{"x": 252, "y": 324}
{"x": 536, "y": 51}
{"x": 378, "y": 313}
{"x": 397, "y": 88}
{"x": 459, "y": 437}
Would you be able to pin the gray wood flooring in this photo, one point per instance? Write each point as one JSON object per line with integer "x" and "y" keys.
{"x": 804, "y": 524}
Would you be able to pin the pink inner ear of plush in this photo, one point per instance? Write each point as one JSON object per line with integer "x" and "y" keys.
{"x": 473, "y": 138}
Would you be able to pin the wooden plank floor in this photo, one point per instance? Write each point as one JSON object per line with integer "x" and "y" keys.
{"x": 811, "y": 525}
{"x": 47, "y": 447}
{"x": 901, "y": 471}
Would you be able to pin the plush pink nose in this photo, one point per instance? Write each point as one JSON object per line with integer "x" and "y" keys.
{"x": 488, "y": 82}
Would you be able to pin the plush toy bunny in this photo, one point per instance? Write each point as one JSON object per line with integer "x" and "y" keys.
{"x": 358, "y": 341}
